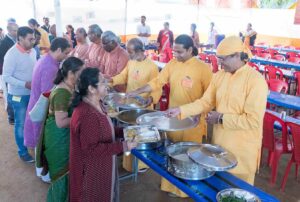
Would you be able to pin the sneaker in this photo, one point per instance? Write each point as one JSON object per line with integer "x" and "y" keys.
{"x": 27, "y": 158}
{"x": 46, "y": 178}
{"x": 38, "y": 171}
{"x": 143, "y": 170}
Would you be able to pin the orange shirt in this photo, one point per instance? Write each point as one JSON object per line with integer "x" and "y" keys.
{"x": 80, "y": 50}
{"x": 114, "y": 62}
{"x": 94, "y": 55}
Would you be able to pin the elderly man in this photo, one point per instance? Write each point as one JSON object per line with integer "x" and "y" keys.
{"x": 17, "y": 72}
{"x": 82, "y": 46}
{"x": 44, "y": 42}
{"x": 95, "y": 51}
{"x": 115, "y": 57}
{"x": 9, "y": 40}
{"x": 239, "y": 95}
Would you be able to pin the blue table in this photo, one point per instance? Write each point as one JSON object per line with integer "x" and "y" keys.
{"x": 210, "y": 52}
{"x": 287, "y": 119}
{"x": 204, "y": 190}
{"x": 284, "y": 100}
{"x": 280, "y": 49}
{"x": 281, "y": 64}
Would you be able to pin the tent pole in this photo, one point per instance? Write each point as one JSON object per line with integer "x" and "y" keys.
{"x": 125, "y": 22}
{"x": 59, "y": 31}
{"x": 34, "y": 9}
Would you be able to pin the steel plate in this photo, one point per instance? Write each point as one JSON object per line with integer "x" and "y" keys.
{"x": 164, "y": 123}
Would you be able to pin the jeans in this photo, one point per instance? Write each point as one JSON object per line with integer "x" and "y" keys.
{"x": 19, "y": 105}
{"x": 10, "y": 113}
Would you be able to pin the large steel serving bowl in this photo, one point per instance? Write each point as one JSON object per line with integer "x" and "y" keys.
{"x": 181, "y": 166}
{"x": 120, "y": 100}
{"x": 129, "y": 116}
{"x": 241, "y": 194}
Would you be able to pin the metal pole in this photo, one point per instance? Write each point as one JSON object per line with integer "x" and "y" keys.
{"x": 34, "y": 9}
{"x": 125, "y": 22}
{"x": 59, "y": 31}
{"x": 198, "y": 12}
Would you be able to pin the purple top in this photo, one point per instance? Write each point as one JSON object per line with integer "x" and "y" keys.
{"x": 44, "y": 73}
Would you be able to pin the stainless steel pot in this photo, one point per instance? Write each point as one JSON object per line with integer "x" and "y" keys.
{"x": 129, "y": 116}
{"x": 180, "y": 165}
{"x": 120, "y": 100}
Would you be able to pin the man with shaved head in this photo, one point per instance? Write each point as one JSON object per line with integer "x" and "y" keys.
{"x": 82, "y": 46}
{"x": 115, "y": 57}
{"x": 8, "y": 41}
{"x": 95, "y": 51}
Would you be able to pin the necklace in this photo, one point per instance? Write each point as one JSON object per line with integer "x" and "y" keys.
{"x": 69, "y": 88}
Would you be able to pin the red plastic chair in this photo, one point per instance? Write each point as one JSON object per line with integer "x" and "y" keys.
{"x": 279, "y": 57}
{"x": 164, "y": 100}
{"x": 276, "y": 146}
{"x": 264, "y": 55}
{"x": 294, "y": 60}
{"x": 214, "y": 63}
{"x": 259, "y": 51}
{"x": 291, "y": 54}
{"x": 271, "y": 72}
{"x": 203, "y": 57}
{"x": 272, "y": 52}
{"x": 278, "y": 85}
{"x": 295, "y": 130}
{"x": 297, "y": 77}
{"x": 251, "y": 64}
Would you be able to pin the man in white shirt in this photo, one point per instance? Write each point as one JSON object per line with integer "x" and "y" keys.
{"x": 212, "y": 35}
{"x": 143, "y": 31}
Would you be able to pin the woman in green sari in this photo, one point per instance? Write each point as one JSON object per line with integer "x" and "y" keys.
{"x": 55, "y": 139}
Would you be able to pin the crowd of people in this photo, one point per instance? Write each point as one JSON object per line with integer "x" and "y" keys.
{"x": 75, "y": 145}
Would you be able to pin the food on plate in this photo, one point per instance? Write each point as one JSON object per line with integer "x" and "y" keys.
{"x": 231, "y": 198}
{"x": 141, "y": 135}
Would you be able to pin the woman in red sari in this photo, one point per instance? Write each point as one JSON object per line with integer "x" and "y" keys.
{"x": 165, "y": 39}
{"x": 93, "y": 149}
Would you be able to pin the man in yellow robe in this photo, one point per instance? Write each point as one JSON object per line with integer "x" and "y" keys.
{"x": 137, "y": 73}
{"x": 238, "y": 93}
{"x": 189, "y": 78}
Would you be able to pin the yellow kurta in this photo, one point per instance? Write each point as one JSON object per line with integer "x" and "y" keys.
{"x": 188, "y": 82}
{"x": 137, "y": 74}
{"x": 44, "y": 42}
{"x": 241, "y": 97}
